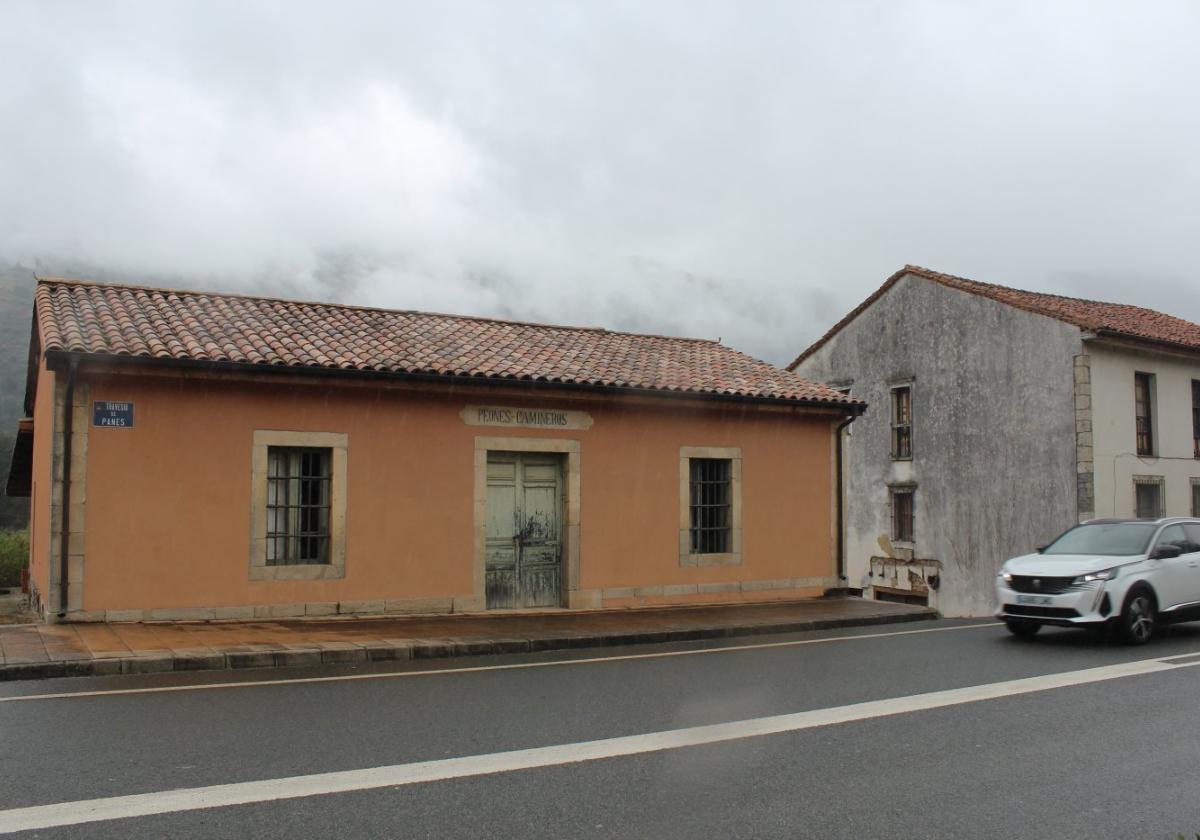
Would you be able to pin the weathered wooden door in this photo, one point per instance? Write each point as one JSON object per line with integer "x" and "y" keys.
{"x": 524, "y": 530}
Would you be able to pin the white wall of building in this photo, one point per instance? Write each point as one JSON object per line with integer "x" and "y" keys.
{"x": 1113, "y": 427}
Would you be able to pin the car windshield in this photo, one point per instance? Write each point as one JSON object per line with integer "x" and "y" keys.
{"x": 1118, "y": 539}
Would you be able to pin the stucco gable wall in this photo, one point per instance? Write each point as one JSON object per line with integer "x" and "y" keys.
{"x": 993, "y": 436}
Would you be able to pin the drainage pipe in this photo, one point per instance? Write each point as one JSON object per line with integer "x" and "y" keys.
{"x": 841, "y": 501}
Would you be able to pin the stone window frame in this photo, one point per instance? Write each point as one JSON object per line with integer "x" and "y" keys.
{"x": 1158, "y": 480}
{"x": 570, "y": 448}
{"x": 733, "y": 454}
{"x": 338, "y": 444}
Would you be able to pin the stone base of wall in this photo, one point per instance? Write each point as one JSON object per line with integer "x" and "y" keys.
{"x": 716, "y": 598}
{"x": 588, "y": 599}
{"x": 746, "y": 591}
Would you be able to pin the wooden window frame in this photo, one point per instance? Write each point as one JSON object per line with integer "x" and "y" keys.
{"x": 688, "y": 557}
{"x": 1143, "y": 401}
{"x": 902, "y": 431}
{"x": 338, "y": 445}
{"x": 897, "y": 534}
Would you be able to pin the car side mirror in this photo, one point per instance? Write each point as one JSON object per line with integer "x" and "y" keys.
{"x": 1164, "y": 552}
{"x": 1041, "y": 549}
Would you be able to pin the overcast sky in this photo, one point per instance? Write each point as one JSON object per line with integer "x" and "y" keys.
{"x": 748, "y": 170}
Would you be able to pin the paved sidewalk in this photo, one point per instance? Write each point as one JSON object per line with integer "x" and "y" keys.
{"x": 56, "y": 650}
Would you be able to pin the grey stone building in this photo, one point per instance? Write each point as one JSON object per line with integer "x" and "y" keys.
{"x": 998, "y": 419}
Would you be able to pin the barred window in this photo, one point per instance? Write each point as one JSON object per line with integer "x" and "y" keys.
{"x": 902, "y": 423}
{"x": 1148, "y": 496}
{"x": 298, "y": 480}
{"x": 902, "y": 515}
{"x": 711, "y": 505}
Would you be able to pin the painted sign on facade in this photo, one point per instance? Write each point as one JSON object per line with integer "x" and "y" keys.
{"x": 528, "y": 418}
{"x": 117, "y": 415}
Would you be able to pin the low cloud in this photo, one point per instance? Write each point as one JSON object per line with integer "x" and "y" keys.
{"x": 747, "y": 172}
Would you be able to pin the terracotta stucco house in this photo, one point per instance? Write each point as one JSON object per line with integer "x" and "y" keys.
{"x": 203, "y": 456}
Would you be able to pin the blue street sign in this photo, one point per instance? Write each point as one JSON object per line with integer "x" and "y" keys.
{"x": 117, "y": 415}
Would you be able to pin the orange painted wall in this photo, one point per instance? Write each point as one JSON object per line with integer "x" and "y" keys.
{"x": 168, "y": 501}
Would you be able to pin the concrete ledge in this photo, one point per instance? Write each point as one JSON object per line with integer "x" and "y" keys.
{"x": 296, "y": 658}
{"x": 202, "y": 662}
{"x": 255, "y": 660}
{"x": 343, "y": 657}
{"x": 147, "y": 664}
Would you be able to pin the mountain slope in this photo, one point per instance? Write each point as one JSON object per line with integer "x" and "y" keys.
{"x": 16, "y": 313}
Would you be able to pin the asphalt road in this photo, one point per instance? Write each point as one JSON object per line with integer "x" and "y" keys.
{"x": 1063, "y": 737}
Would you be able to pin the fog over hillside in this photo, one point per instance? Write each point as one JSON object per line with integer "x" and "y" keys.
{"x": 749, "y": 172}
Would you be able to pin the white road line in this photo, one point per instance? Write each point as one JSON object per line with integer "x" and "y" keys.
{"x": 294, "y": 787}
{"x": 68, "y": 695}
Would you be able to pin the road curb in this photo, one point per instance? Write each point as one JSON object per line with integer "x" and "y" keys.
{"x": 424, "y": 648}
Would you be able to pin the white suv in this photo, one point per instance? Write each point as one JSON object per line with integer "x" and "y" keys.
{"x": 1132, "y": 573}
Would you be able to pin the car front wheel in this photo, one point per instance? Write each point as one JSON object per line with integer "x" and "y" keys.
{"x": 1022, "y": 629}
{"x": 1139, "y": 617}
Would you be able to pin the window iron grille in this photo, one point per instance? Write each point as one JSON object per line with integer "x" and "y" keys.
{"x": 298, "y": 483}
{"x": 711, "y": 505}
{"x": 1148, "y": 498}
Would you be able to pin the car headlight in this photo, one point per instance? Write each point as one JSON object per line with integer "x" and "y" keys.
{"x": 1092, "y": 577}
{"x": 1006, "y": 576}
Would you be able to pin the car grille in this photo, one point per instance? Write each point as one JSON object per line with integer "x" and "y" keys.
{"x": 1041, "y": 585}
{"x": 1040, "y": 612}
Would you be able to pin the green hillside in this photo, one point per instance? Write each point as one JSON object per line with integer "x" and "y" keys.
{"x": 16, "y": 311}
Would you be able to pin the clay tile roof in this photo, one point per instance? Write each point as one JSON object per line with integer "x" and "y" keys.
{"x": 1115, "y": 319}
{"x": 166, "y": 324}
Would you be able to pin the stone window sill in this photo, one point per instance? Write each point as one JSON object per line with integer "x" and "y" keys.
{"x": 324, "y": 571}
{"x": 731, "y": 559}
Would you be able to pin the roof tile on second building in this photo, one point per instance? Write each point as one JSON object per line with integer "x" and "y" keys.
{"x": 135, "y": 321}
{"x": 1117, "y": 319}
